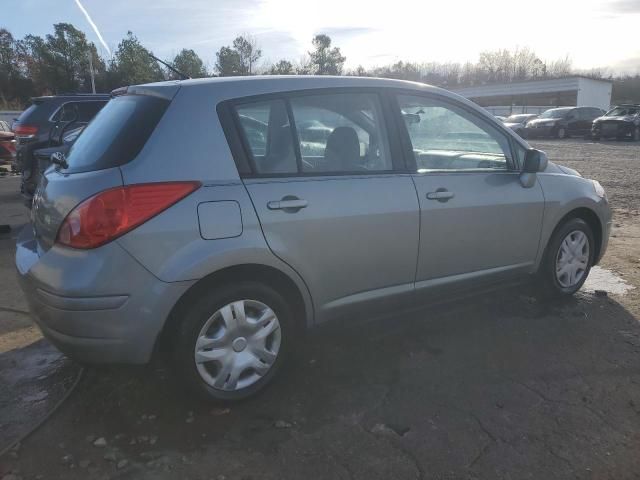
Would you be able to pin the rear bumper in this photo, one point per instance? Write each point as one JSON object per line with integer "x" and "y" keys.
{"x": 97, "y": 306}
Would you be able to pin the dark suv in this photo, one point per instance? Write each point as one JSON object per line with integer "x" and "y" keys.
{"x": 621, "y": 122}
{"x": 43, "y": 124}
{"x": 563, "y": 122}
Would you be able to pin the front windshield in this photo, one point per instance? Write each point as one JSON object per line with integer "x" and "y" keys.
{"x": 517, "y": 118}
{"x": 555, "y": 113}
{"x": 623, "y": 111}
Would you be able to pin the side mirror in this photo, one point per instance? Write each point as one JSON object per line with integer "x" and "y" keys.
{"x": 535, "y": 161}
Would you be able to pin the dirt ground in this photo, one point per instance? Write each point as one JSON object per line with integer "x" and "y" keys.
{"x": 496, "y": 387}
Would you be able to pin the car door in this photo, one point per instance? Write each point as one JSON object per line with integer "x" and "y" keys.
{"x": 575, "y": 121}
{"x": 330, "y": 200}
{"x": 478, "y": 223}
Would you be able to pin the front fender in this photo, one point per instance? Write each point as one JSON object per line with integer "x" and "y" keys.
{"x": 565, "y": 194}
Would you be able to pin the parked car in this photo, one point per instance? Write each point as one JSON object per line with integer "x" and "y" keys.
{"x": 518, "y": 122}
{"x": 563, "y": 122}
{"x": 44, "y": 122}
{"x": 7, "y": 144}
{"x": 501, "y": 118}
{"x": 206, "y": 243}
{"x": 621, "y": 122}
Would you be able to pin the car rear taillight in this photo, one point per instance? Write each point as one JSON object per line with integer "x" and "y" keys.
{"x": 114, "y": 212}
{"x": 25, "y": 131}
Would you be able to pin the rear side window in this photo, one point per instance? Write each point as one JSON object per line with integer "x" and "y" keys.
{"x": 331, "y": 133}
{"x": 268, "y": 136}
{"x": 82, "y": 112}
{"x": 117, "y": 133}
{"x": 341, "y": 133}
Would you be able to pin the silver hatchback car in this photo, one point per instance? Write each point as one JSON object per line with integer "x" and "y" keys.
{"x": 217, "y": 219}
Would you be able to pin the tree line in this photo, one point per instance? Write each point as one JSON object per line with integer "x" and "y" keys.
{"x": 61, "y": 62}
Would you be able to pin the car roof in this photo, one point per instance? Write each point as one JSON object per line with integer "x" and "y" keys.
{"x": 237, "y": 87}
{"x": 71, "y": 97}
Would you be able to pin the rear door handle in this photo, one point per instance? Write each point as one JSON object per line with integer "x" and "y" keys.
{"x": 288, "y": 204}
{"x": 440, "y": 195}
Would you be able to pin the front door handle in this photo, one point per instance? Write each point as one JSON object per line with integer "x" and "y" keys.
{"x": 288, "y": 204}
{"x": 441, "y": 195}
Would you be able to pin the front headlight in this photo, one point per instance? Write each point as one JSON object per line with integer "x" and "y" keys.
{"x": 599, "y": 189}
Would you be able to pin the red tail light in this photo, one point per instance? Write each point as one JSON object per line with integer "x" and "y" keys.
{"x": 26, "y": 131}
{"x": 112, "y": 213}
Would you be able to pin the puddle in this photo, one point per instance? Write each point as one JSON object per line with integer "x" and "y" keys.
{"x": 603, "y": 279}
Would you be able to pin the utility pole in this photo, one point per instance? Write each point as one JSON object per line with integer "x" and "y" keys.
{"x": 93, "y": 80}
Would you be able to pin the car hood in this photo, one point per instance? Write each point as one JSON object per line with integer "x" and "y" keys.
{"x": 514, "y": 125}
{"x": 626, "y": 118}
{"x": 555, "y": 168}
{"x": 544, "y": 120}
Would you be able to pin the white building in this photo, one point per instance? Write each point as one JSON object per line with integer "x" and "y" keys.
{"x": 538, "y": 95}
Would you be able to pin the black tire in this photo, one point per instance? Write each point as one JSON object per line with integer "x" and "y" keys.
{"x": 636, "y": 135}
{"x": 547, "y": 282}
{"x": 193, "y": 319}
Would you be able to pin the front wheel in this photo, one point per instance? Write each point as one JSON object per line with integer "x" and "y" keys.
{"x": 567, "y": 260}
{"x": 233, "y": 341}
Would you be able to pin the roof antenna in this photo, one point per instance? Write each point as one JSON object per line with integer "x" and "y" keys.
{"x": 174, "y": 70}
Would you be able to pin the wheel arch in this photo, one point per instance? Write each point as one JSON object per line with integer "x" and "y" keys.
{"x": 592, "y": 219}
{"x": 271, "y": 276}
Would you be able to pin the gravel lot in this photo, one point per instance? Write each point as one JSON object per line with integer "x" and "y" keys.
{"x": 496, "y": 387}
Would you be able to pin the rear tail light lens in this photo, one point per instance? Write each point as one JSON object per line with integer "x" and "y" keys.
{"x": 114, "y": 212}
{"x": 25, "y": 131}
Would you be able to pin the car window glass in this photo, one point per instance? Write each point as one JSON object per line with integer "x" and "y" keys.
{"x": 88, "y": 110}
{"x": 446, "y": 137}
{"x": 267, "y": 134}
{"x": 117, "y": 134}
{"x": 341, "y": 133}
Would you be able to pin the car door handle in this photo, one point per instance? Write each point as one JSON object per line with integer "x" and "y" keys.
{"x": 288, "y": 204}
{"x": 440, "y": 195}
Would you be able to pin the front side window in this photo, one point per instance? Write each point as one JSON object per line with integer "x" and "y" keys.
{"x": 341, "y": 133}
{"x": 446, "y": 137}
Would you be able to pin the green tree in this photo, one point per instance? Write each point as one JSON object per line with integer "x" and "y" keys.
{"x": 240, "y": 58}
{"x": 283, "y": 67}
{"x": 59, "y": 63}
{"x": 326, "y": 60}
{"x": 189, "y": 63}
{"x": 228, "y": 62}
{"x": 132, "y": 64}
{"x": 249, "y": 52}
{"x": 8, "y": 66}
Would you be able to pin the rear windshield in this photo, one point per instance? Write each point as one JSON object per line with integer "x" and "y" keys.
{"x": 27, "y": 113}
{"x": 117, "y": 133}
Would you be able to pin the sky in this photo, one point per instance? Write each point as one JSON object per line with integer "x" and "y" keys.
{"x": 593, "y": 33}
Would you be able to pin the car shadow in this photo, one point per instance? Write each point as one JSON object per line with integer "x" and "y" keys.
{"x": 501, "y": 385}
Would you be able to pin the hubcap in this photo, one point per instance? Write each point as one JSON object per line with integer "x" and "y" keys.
{"x": 572, "y": 259}
{"x": 238, "y": 345}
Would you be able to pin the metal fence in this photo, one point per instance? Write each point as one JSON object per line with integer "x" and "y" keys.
{"x": 9, "y": 115}
{"x": 507, "y": 110}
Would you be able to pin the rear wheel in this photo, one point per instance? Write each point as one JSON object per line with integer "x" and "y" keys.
{"x": 233, "y": 341}
{"x": 567, "y": 260}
